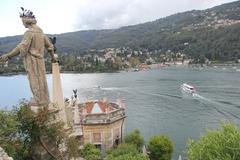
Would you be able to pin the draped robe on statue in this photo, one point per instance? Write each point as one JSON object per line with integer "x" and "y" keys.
{"x": 31, "y": 49}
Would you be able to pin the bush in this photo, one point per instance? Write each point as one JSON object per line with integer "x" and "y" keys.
{"x": 221, "y": 144}
{"x": 130, "y": 157}
{"x": 160, "y": 148}
{"x": 135, "y": 138}
{"x": 21, "y": 131}
{"x": 90, "y": 152}
{"x": 73, "y": 147}
{"x": 8, "y": 130}
{"x": 125, "y": 151}
{"x": 122, "y": 149}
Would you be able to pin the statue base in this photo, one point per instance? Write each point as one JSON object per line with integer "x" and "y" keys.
{"x": 41, "y": 154}
{"x": 45, "y": 150}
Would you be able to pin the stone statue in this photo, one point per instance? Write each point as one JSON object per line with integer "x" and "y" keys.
{"x": 31, "y": 48}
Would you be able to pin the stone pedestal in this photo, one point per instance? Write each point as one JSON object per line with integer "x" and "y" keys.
{"x": 57, "y": 91}
{"x": 41, "y": 154}
{"x": 45, "y": 150}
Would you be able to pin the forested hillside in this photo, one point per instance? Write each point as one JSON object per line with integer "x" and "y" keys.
{"x": 213, "y": 32}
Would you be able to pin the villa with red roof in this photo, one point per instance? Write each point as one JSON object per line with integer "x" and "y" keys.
{"x": 99, "y": 122}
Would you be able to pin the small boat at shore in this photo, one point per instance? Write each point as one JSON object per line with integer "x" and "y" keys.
{"x": 136, "y": 70}
{"x": 188, "y": 88}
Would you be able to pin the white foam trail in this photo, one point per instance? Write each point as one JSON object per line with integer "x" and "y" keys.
{"x": 106, "y": 88}
{"x": 199, "y": 97}
{"x": 110, "y": 88}
{"x": 195, "y": 95}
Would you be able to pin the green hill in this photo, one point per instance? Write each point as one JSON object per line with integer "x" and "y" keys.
{"x": 213, "y": 32}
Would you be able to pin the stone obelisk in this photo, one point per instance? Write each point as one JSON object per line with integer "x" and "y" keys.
{"x": 57, "y": 92}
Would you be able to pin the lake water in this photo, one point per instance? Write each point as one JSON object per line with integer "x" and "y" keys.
{"x": 154, "y": 102}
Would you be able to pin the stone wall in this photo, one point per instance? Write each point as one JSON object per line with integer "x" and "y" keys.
{"x": 104, "y": 134}
{"x": 3, "y": 155}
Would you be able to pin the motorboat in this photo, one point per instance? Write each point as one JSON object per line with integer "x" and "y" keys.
{"x": 188, "y": 88}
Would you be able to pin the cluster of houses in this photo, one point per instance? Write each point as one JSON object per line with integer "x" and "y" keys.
{"x": 214, "y": 20}
{"x": 128, "y": 58}
{"x": 122, "y": 57}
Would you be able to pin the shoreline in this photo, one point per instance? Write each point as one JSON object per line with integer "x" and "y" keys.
{"x": 65, "y": 72}
{"x": 118, "y": 71}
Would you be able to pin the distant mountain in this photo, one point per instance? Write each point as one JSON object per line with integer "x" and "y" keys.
{"x": 212, "y": 32}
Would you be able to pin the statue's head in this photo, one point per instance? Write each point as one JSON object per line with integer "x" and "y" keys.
{"x": 28, "y": 18}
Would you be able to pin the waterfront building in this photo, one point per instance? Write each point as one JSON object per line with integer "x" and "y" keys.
{"x": 99, "y": 122}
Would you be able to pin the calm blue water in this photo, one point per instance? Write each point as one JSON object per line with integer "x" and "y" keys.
{"x": 154, "y": 101}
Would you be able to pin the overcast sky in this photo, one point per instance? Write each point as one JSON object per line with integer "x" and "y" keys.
{"x": 59, "y": 16}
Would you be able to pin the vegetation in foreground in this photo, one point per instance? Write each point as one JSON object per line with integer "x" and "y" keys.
{"x": 20, "y": 133}
{"x": 220, "y": 144}
{"x": 160, "y": 148}
{"x": 130, "y": 149}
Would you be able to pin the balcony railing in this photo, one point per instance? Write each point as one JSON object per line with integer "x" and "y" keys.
{"x": 103, "y": 117}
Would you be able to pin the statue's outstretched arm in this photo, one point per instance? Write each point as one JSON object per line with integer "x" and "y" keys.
{"x": 22, "y": 48}
{"x": 9, "y": 55}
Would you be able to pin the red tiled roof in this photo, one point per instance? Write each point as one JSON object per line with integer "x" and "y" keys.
{"x": 89, "y": 106}
{"x": 102, "y": 106}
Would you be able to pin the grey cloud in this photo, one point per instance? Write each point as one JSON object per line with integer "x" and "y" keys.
{"x": 106, "y": 14}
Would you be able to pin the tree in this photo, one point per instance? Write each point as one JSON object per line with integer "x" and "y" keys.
{"x": 22, "y": 132}
{"x": 90, "y": 152}
{"x": 160, "y": 148}
{"x": 134, "y": 61}
{"x": 122, "y": 149}
{"x": 135, "y": 138}
{"x": 96, "y": 61}
{"x": 8, "y": 130}
{"x": 217, "y": 144}
{"x": 125, "y": 151}
{"x": 118, "y": 61}
{"x": 73, "y": 147}
{"x": 130, "y": 157}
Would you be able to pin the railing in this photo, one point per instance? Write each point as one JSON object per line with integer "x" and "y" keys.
{"x": 103, "y": 117}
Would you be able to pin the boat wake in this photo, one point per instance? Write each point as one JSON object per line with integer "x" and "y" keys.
{"x": 161, "y": 95}
{"x": 203, "y": 99}
{"x": 197, "y": 96}
{"x": 110, "y": 88}
{"x": 219, "y": 107}
{"x": 189, "y": 91}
